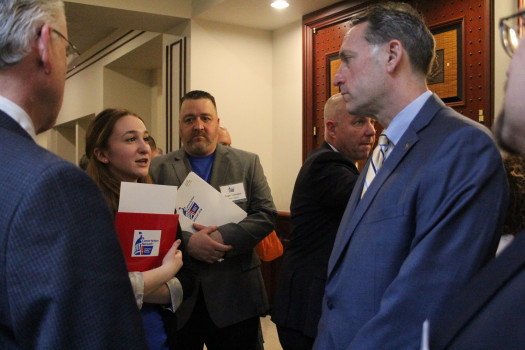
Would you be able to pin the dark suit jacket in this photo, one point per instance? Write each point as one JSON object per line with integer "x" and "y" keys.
{"x": 186, "y": 277}
{"x": 490, "y": 312}
{"x": 429, "y": 221}
{"x": 63, "y": 279}
{"x": 319, "y": 198}
{"x": 233, "y": 289}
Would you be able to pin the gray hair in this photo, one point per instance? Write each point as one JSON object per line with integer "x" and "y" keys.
{"x": 20, "y": 23}
{"x": 388, "y": 21}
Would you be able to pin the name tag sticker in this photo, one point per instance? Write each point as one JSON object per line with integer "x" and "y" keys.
{"x": 234, "y": 192}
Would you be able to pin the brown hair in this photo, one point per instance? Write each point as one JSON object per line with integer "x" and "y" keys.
{"x": 97, "y": 136}
{"x": 197, "y": 95}
{"x": 397, "y": 20}
{"x": 515, "y": 169}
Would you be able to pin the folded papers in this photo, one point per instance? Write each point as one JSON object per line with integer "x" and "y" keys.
{"x": 145, "y": 223}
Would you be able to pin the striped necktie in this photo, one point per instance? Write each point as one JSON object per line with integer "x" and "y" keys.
{"x": 378, "y": 157}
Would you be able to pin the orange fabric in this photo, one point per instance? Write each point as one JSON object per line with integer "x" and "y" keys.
{"x": 270, "y": 247}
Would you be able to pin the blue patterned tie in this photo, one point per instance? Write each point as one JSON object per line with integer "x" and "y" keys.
{"x": 378, "y": 157}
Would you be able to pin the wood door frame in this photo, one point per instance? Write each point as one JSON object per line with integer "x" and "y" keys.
{"x": 312, "y": 22}
{"x": 340, "y": 12}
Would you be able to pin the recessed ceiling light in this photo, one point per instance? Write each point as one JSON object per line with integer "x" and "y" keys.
{"x": 280, "y": 4}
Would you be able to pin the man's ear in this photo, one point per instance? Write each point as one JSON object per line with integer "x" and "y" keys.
{"x": 330, "y": 127}
{"x": 395, "y": 53}
{"x": 101, "y": 155}
{"x": 44, "y": 47}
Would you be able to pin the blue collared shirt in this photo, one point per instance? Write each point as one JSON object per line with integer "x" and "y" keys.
{"x": 402, "y": 120}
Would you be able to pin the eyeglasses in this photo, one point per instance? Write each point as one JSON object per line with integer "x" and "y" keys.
{"x": 71, "y": 50}
{"x": 511, "y": 29}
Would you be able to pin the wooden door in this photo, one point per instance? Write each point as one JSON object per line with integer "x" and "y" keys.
{"x": 323, "y": 33}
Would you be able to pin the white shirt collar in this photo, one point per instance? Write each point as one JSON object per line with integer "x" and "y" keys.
{"x": 332, "y": 147}
{"x": 19, "y": 115}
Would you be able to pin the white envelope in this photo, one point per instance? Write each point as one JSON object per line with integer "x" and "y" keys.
{"x": 147, "y": 198}
{"x": 197, "y": 201}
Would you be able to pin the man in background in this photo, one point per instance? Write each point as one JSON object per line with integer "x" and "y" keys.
{"x": 490, "y": 313}
{"x": 224, "y": 137}
{"x": 63, "y": 279}
{"x": 224, "y": 312}
{"x": 429, "y": 205}
{"x": 155, "y": 151}
{"x": 320, "y": 195}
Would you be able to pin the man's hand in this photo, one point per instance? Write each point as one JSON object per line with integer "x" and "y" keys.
{"x": 206, "y": 244}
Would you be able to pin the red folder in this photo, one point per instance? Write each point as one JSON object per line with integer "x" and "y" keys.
{"x": 145, "y": 238}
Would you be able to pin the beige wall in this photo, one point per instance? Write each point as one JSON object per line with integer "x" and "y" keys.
{"x": 118, "y": 88}
{"x": 287, "y": 112}
{"x": 256, "y": 78}
{"x": 84, "y": 92}
{"x": 182, "y": 8}
{"x": 235, "y": 65}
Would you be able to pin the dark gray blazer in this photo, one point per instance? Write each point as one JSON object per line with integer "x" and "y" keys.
{"x": 63, "y": 279}
{"x": 234, "y": 289}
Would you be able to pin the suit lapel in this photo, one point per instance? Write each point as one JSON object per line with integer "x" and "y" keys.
{"x": 467, "y": 305}
{"x": 181, "y": 165}
{"x": 221, "y": 162}
{"x": 10, "y": 124}
{"x": 357, "y": 207}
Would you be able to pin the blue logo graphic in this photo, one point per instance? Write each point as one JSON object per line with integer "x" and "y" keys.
{"x": 141, "y": 248}
{"x": 147, "y": 249}
{"x": 138, "y": 245}
{"x": 192, "y": 210}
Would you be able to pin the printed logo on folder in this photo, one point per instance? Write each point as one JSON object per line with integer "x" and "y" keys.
{"x": 191, "y": 210}
{"x": 147, "y": 243}
{"x": 198, "y": 202}
{"x": 145, "y": 238}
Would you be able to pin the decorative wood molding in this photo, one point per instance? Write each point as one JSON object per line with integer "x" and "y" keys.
{"x": 175, "y": 87}
{"x": 311, "y": 23}
{"x": 88, "y": 61}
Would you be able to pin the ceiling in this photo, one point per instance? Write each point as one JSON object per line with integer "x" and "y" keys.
{"x": 259, "y": 14}
{"x": 89, "y": 24}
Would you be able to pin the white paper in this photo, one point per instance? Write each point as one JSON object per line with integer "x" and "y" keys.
{"x": 198, "y": 201}
{"x": 424, "y": 335}
{"x": 147, "y": 198}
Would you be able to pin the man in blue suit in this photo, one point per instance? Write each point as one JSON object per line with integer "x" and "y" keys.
{"x": 431, "y": 217}
{"x": 63, "y": 279}
{"x": 490, "y": 313}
